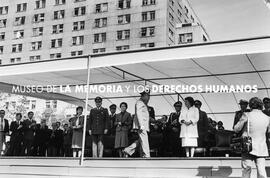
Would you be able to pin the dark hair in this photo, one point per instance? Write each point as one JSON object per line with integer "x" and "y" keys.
{"x": 79, "y": 107}
{"x": 190, "y": 100}
{"x": 220, "y": 123}
{"x": 198, "y": 102}
{"x": 2, "y": 111}
{"x": 30, "y": 112}
{"x": 255, "y": 103}
{"x": 19, "y": 114}
{"x": 113, "y": 106}
{"x": 123, "y": 103}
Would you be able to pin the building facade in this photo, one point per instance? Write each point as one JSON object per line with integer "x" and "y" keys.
{"x": 33, "y": 30}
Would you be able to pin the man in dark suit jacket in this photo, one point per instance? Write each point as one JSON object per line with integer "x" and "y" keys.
{"x": 172, "y": 136}
{"x": 112, "y": 118}
{"x": 97, "y": 126}
{"x": 202, "y": 125}
{"x": 4, "y": 130}
{"x": 238, "y": 114}
{"x": 29, "y": 126}
{"x": 42, "y": 137}
{"x": 16, "y": 136}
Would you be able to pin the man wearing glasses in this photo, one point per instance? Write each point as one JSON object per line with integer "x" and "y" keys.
{"x": 4, "y": 129}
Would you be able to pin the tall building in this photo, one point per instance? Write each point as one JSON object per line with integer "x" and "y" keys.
{"x": 33, "y": 30}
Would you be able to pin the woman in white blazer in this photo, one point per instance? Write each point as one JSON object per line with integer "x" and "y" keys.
{"x": 258, "y": 126}
{"x": 189, "y": 131}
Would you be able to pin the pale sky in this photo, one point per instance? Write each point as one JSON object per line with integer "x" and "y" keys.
{"x": 233, "y": 19}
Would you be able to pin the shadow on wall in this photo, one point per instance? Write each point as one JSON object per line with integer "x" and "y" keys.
{"x": 208, "y": 171}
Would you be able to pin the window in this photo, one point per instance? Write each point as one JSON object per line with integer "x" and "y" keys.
{"x": 0, "y": 61}
{"x": 3, "y": 23}
{"x": 101, "y": 22}
{"x": 19, "y": 21}
{"x": 186, "y": 10}
{"x": 2, "y": 36}
{"x": 179, "y": 13}
{"x": 99, "y": 50}
{"x": 55, "y": 56}
{"x": 172, "y": 2}
{"x": 54, "y": 102}
{"x": 13, "y": 60}
{"x": 38, "y": 18}
{"x": 78, "y": 25}
{"x": 36, "y": 45}
{"x": 204, "y": 38}
{"x": 185, "y": 38}
{"x": 56, "y": 43}
{"x": 40, "y": 4}
{"x": 171, "y": 17}
{"x": 148, "y": 2}
{"x": 78, "y": 11}
{"x": 18, "y": 34}
{"x": 3, "y": 10}
{"x": 124, "y": 19}
{"x": 171, "y": 34}
{"x": 1, "y": 49}
{"x": 21, "y": 7}
{"x": 59, "y": 14}
{"x": 147, "y": 31}
{"x": 124, "y": 47}
{"x": 35, "y": 58}
{"x": 148, "y": 16}
{"x": 59, "y": 28}
{"x": 77, "y": 40}
{"x": 192, "y": 19}
{"x": 16, "y": 48}
{"x": 146, "y": 45}
{"x": 34, "y": 102}
{"x": 38, "y": 31}
{"x": 123, "y": 34}
{"x": 60, "y": 2}
{"x": 99, "y": 37}
{"x": 48, "y": 104}
{"x": 76, "y": 53}
{"x": 102, "y": 7}
{"x": 124, "y": 4}
{"x": 79, "y": 0}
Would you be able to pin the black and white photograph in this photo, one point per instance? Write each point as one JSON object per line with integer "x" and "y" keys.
{"x": 134, "y": 88}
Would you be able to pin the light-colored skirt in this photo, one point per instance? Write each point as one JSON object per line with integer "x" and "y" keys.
{"x": 189, "y": 142}
{"x": 77, "y": 139}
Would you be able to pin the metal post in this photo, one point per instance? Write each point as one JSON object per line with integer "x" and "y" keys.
{"x": 85, "y": 110}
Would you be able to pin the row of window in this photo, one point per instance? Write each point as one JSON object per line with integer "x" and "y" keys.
{"x": 73, "y": 53}
{"x": 79, "y": 40}
{"x": 100, "y": 22}
{"x": 102, "y": 7}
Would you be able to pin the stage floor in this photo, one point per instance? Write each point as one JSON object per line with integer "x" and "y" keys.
{"x": 204, "y": 167}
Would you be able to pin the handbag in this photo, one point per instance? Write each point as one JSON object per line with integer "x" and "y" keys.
{"x": 242, "y": 144}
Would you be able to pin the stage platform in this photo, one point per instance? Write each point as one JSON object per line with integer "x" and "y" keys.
{"x": 34, "y": 167}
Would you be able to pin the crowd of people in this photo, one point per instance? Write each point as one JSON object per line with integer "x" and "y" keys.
{"x": 180, "y": 132}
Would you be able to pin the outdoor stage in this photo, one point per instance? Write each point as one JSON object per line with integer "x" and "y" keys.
{"x": 155, "y": 167}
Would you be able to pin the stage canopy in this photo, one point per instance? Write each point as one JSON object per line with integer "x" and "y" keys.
{"x": 239, "y": 62}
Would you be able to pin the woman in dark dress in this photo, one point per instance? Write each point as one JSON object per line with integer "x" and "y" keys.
{"x": 123, "y": 123}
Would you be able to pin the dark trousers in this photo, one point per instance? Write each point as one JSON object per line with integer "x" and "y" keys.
{"x": 52, "y": 151}
{"x": 15, "y": 147}
{"x": 67, "y": 151}
{"x": 28, "y": 147}
{"x": 40, "y": 149}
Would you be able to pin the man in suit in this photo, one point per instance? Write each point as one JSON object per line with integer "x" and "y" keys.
{"x": 266, "y": 103}
{"x": 4, "y": 130}
{"x": 112, "y": 118}
{"x": 173, "y": 130}
{"x": 98, "y": 125}
{"x": 141, "y": 123}
{"x": 16, "y": 137}
{"x": 238, "y": 114}
{"x": 29, "y": 126}
{"x": 202, "y": 124}
{"x": 42, "y": 138}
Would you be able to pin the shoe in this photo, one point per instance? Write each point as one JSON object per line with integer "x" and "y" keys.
{"x": 125, "y": 154}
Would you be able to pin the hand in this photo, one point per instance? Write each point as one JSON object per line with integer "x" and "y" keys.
{"x": 105, "y": 131}
{"x": 90, "y": 132}
{"x": 20, "y": 126}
